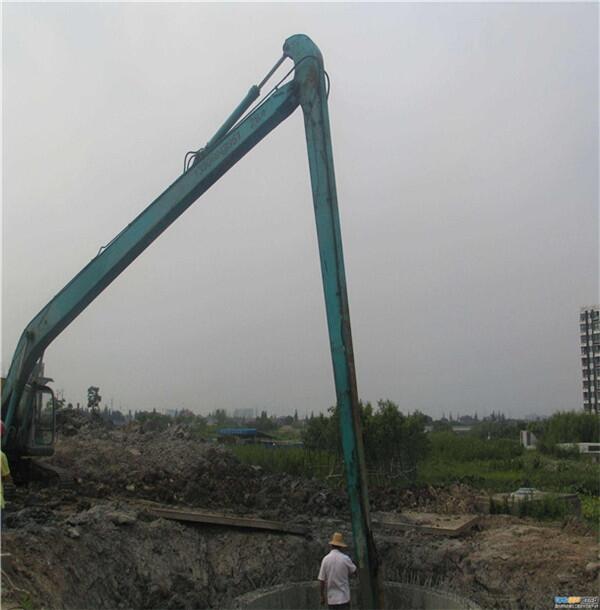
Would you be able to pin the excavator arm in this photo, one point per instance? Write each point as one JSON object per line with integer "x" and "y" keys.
{"x": 238, "y": 135}
{"x": 130, "y": 243}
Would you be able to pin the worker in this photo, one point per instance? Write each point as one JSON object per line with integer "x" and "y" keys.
{"x": 4, "y": 473}
{"x": 334, "y": 575}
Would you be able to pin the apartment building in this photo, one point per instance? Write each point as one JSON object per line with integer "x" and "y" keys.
{"x": 589, "y": 332}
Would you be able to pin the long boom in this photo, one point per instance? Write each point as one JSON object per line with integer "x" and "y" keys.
{"x": 233, "y": 140}
{"x": 135, "y": 238}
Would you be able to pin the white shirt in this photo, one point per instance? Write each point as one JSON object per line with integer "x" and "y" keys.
{"x": 335, "y": 571}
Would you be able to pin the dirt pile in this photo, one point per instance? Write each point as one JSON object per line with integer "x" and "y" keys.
{"x": 171, "y": 468}
{"x": 509, "y": 563}
{"x": 454, "y": 499}
{"x": 174, "y": 468}
{"x": 70, "y": 422}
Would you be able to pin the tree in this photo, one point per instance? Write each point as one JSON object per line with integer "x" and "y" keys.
{"x": 393, "y": 441}
{"x": 93, "y": 398}
{"x": 59, "y": 403}
{"x": 497, "y": 428}
{"x": 567, "y": 427}
{"x": 442, "y": 426}
{"x": 321, "y": 433}
{"x": 220, "y": 416}
{"x": 264, "y": 423}
{"x": 152, "y": 421}
{"x": 396, "y": 441}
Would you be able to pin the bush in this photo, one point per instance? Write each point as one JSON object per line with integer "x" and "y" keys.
{"x": 590, "y": 509}
{"x": 394, "y": 443}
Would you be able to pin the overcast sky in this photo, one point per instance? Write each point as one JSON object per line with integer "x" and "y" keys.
{"x": 465, "y": 142}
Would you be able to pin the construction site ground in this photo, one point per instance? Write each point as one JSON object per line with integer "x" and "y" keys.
{"x": 93, "y": 540}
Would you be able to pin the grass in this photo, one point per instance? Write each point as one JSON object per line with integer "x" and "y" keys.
{"x": 546, "y": 473}
{"x": 26, "y": 603}
{"x": 505, "y": 473}
{"x": 482, "y": 474}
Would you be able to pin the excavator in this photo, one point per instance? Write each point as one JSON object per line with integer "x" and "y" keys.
{"x": 29, "y": 424}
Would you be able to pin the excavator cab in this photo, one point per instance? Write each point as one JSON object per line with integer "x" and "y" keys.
{"x": 37, "y": 407}
{"x": 43, "y": 429}
{"x": 36, "y": 438}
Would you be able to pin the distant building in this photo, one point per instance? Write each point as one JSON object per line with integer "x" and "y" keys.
{"x": 528, "y": 439}
{"x": 461, "y": 429}
{"x": 456, "y": 429}
{"x": 244, "y": 414}
{"x": 590, "y": 449}
{"x": 589, "y": 333}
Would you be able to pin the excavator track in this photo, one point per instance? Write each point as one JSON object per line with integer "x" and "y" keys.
{"x": 25, "y": 470}
{"x": 53, "y": 475}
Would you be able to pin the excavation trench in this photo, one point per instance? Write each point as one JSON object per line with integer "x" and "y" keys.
{"x": 114, "y": 555}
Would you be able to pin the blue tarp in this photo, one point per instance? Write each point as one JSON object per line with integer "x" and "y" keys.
{"x": 239, "y": 432}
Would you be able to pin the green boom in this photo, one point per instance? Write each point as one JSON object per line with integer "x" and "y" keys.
{"x": 232, "y": 141}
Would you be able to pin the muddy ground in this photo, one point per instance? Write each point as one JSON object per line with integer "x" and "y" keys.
{"x": 92, "y": 543}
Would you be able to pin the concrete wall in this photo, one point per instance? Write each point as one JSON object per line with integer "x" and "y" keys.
{"x": 305, "y": 596}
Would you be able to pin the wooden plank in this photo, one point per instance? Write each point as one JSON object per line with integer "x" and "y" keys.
{"x": 429, "y": 523}
{"x": 193, "y": 516}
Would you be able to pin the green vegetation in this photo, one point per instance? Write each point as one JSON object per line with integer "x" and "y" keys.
{"x": 398, "y": 452}
{"x": 26, "y": 602}
{"x": 157, "y": 422}
{"x": 590, "y": 509}
{"x": 492, "y": 466}
{"x": 566, "y": 427}
{"x": 503, "y": 465}
{"x": 93, "y": 398}
{"x": 497, "y": 427}
{"x": 453, "y": 447}
{"x": 489, "y": 457}
{"x": 394, "y": 443}
{"x": 293, "y": 460}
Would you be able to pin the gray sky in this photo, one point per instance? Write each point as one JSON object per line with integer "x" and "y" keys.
{"x": 465, "y": 141}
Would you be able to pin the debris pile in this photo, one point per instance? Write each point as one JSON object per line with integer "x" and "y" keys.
{"x": 174, "y": 468}
{"x": 167, "y": 467}
{"x": 448, "y": 500}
